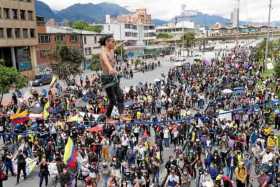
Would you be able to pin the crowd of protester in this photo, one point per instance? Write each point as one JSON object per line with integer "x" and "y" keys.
{"x": 208, "y": 123}
{"x": 127, "y": 70}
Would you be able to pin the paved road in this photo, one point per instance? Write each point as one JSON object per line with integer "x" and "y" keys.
{"x": 149, "y": 76}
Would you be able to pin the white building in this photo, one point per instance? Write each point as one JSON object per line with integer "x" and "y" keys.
{"x": 90, "y": 43}
{"x": 176, "y": 30}
{"x": 134, "y": 34}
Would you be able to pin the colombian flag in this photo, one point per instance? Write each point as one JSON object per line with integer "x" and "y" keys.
{"x": 20, "y": 118}
{"x": 70, "y": 155}
{"x": 54, "y": 80}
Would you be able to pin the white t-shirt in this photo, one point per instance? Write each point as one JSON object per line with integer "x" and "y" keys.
{"x": 171, "y": 180}
{"x": 267, "y": 157}
{"x": 166, "y": 133}
{"x": 125, "y": 141}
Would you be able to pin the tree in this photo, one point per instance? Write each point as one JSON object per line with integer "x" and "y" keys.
{"x": 120, "y": 50}
{"x": 10, "y": 78}
{"x": 95, "y": 66}
{"x": 188, "y": 39}
{"x": 277, "y": 69}
{"x": 68, "y": 62}
{"x": 164, "y": 36}
{"x": 81, "y": 25}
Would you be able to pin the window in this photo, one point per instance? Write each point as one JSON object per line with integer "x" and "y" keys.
{"x": 85, "y": 40}
{"x": 9, "y": 33}
{"x": 44, "y": 39}
{"x": 6, "y": 13}
{"x": 149, "y": 27}
{"x": 88, "y": 51}
{"x": 74, "y": 38}
{"x": 0, "y": 13}
{"x": 22, "y": 15}
{"x": 150, "y": 34}
{"x": 32, "y": 33}
{"x": 17, "y": 32}
{"x": 23, "y": 57}
{"x": 14, "y": 13}
{"x": 130, "y": 34}
{"x": 59, "y": 37}
{"x": 1, "y": 33}
{"x": 30, "y": 15}
{"x": 25, "y": 33}
{"x": 44, "y": 53}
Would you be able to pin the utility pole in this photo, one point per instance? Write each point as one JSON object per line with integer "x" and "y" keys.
{"x": 268, "y": 35}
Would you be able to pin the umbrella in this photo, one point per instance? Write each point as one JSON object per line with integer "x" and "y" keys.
{"x": 95, "y": 129}
{"x": 227, "y": 91}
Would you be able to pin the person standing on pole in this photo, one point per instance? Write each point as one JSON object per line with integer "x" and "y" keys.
{"x": 109, "y": 78}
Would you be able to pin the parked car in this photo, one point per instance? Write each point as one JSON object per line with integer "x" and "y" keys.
{"x": 41, "y": 80}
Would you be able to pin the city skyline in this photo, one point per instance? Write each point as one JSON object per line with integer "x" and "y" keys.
{"x": 250, "y": 10}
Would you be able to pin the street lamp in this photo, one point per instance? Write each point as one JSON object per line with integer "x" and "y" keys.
{"x": 268, "y": 35}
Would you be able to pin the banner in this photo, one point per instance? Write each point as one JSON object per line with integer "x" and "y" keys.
{"x": 30, "y": 165}
{"x": 225, "y": 115}
{"x": 53, "y": 169}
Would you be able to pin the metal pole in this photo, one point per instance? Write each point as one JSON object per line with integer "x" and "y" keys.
{"x": 268, "y": 35}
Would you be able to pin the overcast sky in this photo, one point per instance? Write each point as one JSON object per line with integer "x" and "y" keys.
{"x": 252, "y": 10}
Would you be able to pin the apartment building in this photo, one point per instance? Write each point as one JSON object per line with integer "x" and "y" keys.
{"x": 132, "y": 33}
{"x": 18, "y": 35}
{"x": 178, "y": 29}
{"x": 140, "y": 16}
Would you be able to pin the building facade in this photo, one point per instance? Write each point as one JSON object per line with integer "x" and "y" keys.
{"x": 18, "y": 35}
{"x": 140, "y": 16}
{"x": 134, "y": 34}
{"x": 178, "y": 29}
{"x": 52, "y": 37}
{"x": 135, "y": 29}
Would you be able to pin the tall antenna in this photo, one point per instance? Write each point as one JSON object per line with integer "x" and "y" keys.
{"x": 268, "y": 35}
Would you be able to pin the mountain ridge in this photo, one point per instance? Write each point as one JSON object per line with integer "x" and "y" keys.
{"x": 95, "y": 13}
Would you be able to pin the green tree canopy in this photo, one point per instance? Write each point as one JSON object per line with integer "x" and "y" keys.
{"x": 277, "y": 69}
{"x": 164, "y": 36}
{"x": 95, "y": 66}
{"x": 120, "y": 50}
{"x": 188, "y": 39}
{"x": 85, "y": 26}
{"x": 10, "y": 78}
{"x": 68, "y": 62}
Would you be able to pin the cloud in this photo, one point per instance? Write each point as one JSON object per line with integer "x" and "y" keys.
{"x": 254, "y": 10}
